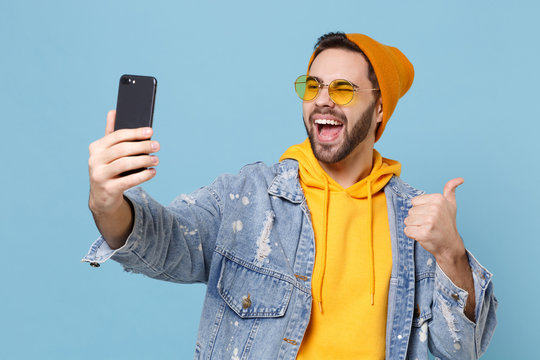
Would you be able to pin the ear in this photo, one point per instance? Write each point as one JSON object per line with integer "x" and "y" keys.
{"x": 379, "y": 110}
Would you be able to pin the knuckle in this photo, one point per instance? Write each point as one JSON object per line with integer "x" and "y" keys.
{"x": 147, "y": 146}
{"x": 115, "y": 136}
{"x": 92, "y": 176}
{"x": 95, "y": 177}
{"x": 119, "y": 165}
{"x": 91, "y": 163}
{"x": 94, "y": 161}
{"x": 116, "y": 151}
{"x": 124, "y": 182}
{"x": 137, "y": 161}
{"x": 109, "y": 189}
{"x": 120, "y": 135}
{"x": 152, "y": 160}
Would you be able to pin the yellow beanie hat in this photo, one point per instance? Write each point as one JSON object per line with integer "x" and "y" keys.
{"x": 394, "y": 72}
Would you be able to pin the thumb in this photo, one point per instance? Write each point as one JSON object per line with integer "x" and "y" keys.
{"x": 111, "y": 116}
{"x": 449, "y": 191}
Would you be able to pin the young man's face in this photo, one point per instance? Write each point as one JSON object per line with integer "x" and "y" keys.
{"x": 356, "y": 121}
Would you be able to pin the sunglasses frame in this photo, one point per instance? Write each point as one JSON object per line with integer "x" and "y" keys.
{"x": 322, "y": 85}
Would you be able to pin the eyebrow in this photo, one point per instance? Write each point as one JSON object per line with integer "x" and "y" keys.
{"x": 322, "y": 82}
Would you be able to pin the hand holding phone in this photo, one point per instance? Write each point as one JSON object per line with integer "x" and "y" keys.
{"x": 135, "y": 104}
{"x": 114, "y": 157}
{"x": 114, "y": 154}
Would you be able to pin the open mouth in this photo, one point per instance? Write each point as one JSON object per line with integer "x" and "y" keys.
{"x": 328, "y": 130}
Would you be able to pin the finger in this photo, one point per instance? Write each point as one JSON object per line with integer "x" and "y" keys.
{"x": 111, "y": 116}
{"x": 128, "y": 163}
{"x": 427, "y": 199}
{"x": 414, "y": 232}
{"x": 424, "y": 209}
{"x": 126, "y": 182}
{"x": 449, "y": 191}
{"x": 416, "y": 220}
{"x": 123, "y": 135}
{"x": 124, "y": 149}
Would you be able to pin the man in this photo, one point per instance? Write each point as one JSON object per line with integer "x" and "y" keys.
{"x": 327, "y": 254}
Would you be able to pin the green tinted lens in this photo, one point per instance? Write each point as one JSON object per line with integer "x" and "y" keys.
{"x": 341, "y": 91}
{"x": 306, "y": 87}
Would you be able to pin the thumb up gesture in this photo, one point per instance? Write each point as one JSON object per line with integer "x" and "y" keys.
{"x": 432, "y": 223}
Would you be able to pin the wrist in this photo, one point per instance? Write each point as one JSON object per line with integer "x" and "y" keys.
{"x": 453, "y": 257}
{"x": 104, "y": 210}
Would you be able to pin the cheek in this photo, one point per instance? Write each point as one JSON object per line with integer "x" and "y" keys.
{"x": 349, "y": 117}
{"x": 306, "y": 110}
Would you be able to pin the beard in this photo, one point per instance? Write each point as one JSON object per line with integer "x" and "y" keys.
{"x": 331, "y": 154}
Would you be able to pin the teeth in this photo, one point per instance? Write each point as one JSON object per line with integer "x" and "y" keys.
{"x": 327, "y": 122}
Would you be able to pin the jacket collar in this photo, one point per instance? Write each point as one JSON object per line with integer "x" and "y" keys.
{"x": 401, "y": 188}
{"x": 286, "y": 183}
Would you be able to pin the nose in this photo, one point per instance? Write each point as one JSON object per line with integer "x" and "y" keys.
{"x": 323, "y": 98}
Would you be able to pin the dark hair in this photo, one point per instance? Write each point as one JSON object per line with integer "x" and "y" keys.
{"x": 338, "y": 40}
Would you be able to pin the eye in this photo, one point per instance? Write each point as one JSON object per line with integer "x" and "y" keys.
{"x": 342, "y": 90}
{"x": 312, "y": 84}
{"x": 342, "y": 86}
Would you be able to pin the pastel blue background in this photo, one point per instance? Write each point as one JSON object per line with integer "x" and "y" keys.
{"x": 225, "y": 98}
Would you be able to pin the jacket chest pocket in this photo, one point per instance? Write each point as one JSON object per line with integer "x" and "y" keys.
{"x": 252, "y": 294}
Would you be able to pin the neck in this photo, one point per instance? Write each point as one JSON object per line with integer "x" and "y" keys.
{"x": 356, "y": 166}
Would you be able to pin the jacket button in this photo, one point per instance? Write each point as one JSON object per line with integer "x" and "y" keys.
{"x": 481, "y": 275}
{"x": 94, "y": 264}
{"x": 246, "y": 301}
{"x": 455, "y": 296}
{"x": 290, "y": 341}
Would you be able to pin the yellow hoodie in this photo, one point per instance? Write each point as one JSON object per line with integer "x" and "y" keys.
{"x": 352, "y": 241}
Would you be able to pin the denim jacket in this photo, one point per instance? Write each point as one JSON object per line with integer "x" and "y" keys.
{"x": 249, "y": 237}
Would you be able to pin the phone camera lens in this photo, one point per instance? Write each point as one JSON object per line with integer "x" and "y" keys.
{"x": 126, "y": 80}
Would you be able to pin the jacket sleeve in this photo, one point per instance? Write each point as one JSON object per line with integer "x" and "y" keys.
{"x": 452, "y": 334}
{"x": 173, "y": 243}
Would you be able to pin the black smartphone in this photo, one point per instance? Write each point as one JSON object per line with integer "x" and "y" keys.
{"x": 135, "y": 104}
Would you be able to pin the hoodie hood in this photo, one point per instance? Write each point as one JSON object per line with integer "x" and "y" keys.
{"x": 313, "y": 175}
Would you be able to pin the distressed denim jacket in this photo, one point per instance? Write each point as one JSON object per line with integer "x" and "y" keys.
{"x": 250, "y": 238}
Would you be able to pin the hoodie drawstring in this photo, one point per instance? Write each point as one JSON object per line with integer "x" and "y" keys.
{"x": 322, "y": 249}
{"x": 370, "y": 240}
{"x": 313, "y": 179}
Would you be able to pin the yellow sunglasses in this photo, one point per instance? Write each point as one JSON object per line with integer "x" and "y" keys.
{"x": 340, "y": 91}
